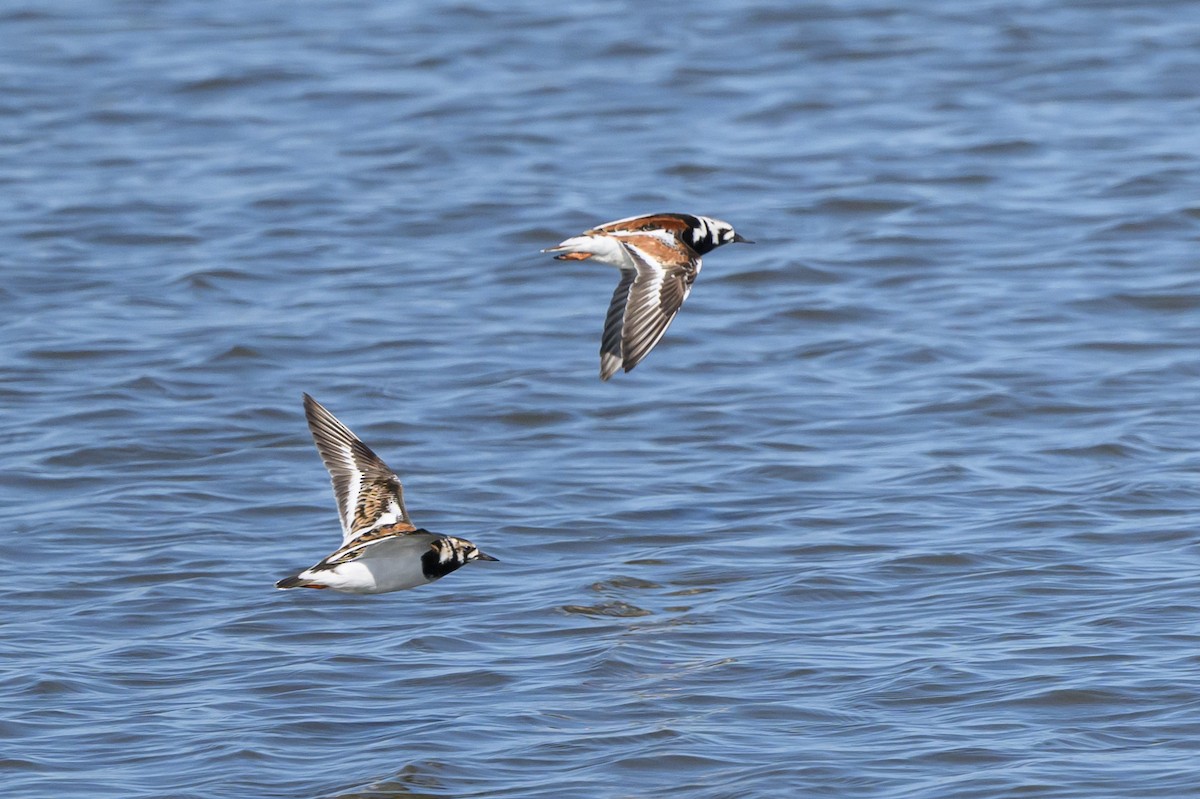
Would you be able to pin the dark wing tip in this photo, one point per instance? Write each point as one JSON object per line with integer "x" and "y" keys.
{"x": 324, "y": 425}
{"x": 313, "y": 409}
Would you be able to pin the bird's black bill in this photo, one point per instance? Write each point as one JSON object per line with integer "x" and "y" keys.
{"x": 482, "y": 556}
{"x": 741, "y": 238}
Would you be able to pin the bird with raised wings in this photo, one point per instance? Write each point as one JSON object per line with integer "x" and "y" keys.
{"x": 382, "y": 550}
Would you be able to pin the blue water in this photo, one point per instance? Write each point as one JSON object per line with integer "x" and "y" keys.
{"x": 905, "y": 504}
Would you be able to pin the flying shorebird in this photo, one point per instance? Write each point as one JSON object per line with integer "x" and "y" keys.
{"x": 381, "y": 548}
{"x": 659, "y": 258}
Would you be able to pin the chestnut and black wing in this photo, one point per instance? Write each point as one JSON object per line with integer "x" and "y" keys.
{"x": 369, "y": 494}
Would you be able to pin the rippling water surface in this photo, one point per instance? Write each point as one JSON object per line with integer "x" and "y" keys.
{"x": 904, "y": 505}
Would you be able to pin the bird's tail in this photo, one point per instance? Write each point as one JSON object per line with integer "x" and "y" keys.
{"x": 578, "y": 248}
{"x": 295, "y": 581}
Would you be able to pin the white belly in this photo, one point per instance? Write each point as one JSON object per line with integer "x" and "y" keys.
{"x": 385, "y": 567}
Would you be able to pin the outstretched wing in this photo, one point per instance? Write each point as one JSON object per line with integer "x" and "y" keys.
{"x": 368, "y": 493}
{"x": 657, "y": 279}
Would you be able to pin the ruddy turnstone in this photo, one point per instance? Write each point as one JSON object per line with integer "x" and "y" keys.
{"x": 381, "y": 548}
{"x": 659, "y": 258}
